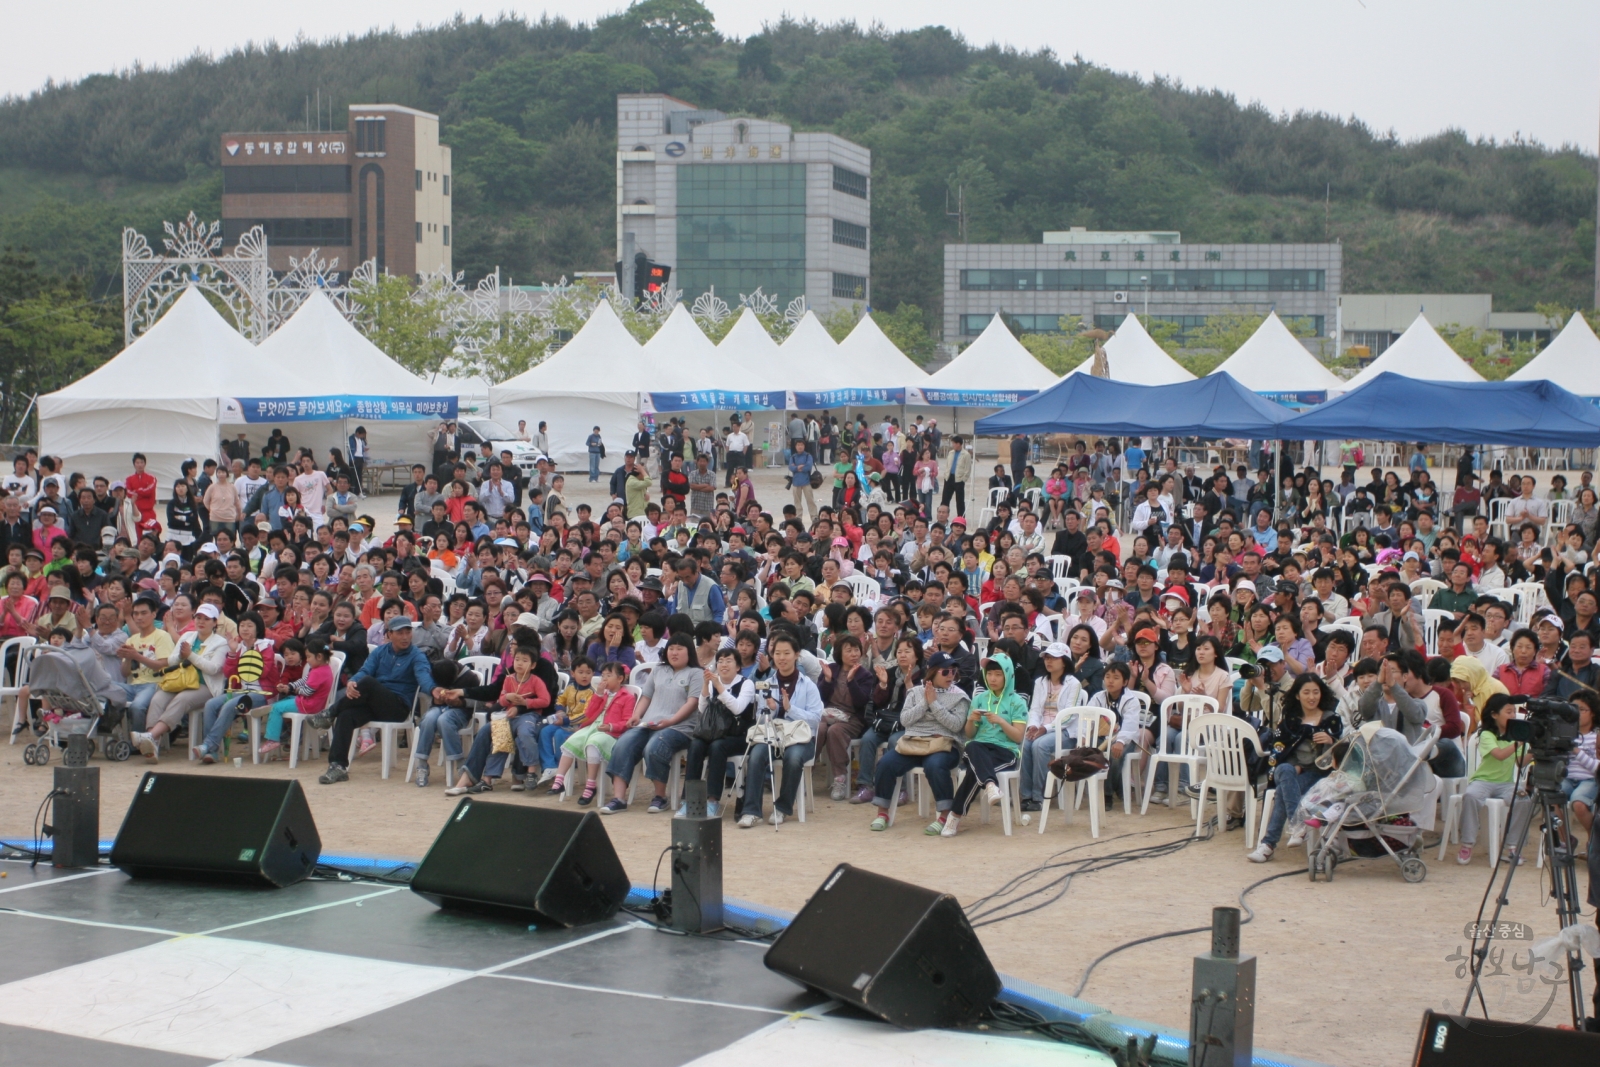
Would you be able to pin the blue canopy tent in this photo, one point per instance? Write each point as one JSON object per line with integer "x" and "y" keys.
{"x": 1214, "y": 407}
{"x": 1392, "y": 407}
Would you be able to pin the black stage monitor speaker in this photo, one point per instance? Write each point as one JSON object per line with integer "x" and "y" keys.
{"x": 904, "y": 953}
{"x": 1454, "y": 1041}
{"x": 249, "y": 831}
{"x": 524, "y": 862}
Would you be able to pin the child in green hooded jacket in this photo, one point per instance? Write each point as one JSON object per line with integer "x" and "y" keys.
{"x": 994, "y": 732}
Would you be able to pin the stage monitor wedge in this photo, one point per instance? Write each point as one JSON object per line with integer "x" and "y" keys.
{"x": 217, "y": 828}
{"x": 901, "y": 952}
{"x": 1458, "y": 1041}
{"x": 524, "y": 862}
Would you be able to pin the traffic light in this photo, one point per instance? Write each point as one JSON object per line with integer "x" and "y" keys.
{"x": 648, "y": 277}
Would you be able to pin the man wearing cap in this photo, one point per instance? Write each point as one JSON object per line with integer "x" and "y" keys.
{"x": 47, "y": 529}
{"x": 383, "y": 690}
{"x": 1262, "y": 698}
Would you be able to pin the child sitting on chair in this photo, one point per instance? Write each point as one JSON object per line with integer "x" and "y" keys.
{"x": 607, "y": 716}
{"x": 306, "y": 694}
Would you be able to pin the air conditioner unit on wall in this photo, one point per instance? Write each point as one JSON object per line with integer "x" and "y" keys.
{"x": 1119, "y": 297}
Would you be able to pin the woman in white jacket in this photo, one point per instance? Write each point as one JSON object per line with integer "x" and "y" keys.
{"x": 206, "y": 650}
{"x": 1054, "y": 691}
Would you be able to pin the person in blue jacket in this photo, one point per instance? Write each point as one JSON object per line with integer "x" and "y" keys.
{"x": 383, "y": 690}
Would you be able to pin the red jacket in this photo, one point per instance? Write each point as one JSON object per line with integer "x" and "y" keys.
{"x": 1529, "y": 682}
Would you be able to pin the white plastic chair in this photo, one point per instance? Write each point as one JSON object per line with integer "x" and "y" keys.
{"x": 1133, "y": 762}
{"x": 1059, "y": 566}
{"x": 1223, "y": 738}
{"x": 864, "y": 590}
{"x": 1190, "y": 706}
{"x": 1426, "y": 587}
{"x": 580, "y": 767}
{"x": 1530, "y": 597}
{"x": 1093, "y": 725}
{"x": 297, "y": 719}
{"x": 388, "y": 733}
{"x": 1431, "y": 618}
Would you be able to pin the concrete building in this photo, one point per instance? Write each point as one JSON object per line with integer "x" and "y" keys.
{"x": 1101, "y": 276}
{"x": 739, "y": 203}
{"x": 1377, "y": 320}
{"x": 379, "y": 189}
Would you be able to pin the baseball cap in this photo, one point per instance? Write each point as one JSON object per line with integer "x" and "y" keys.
{"x": 1115, "y": 583}
{"x": 399, "y": 622}
{"x": 404, "y": 520}
{"x": 1270, "y": 654}
{"x": 60, "y": 592}
{"x": 211, "y": 547}
{"x": 1058, "y": 650}
{"x": 46, "y": 508}
{"x": 1246, "y": 584}
{"x": 1549, "y": 617}
{"x": 359, "y": 526}
{"x": 545, "y": 578}
{"x": 119, "y": 485}
{"x": 528, "y": 618}
{"x": 941, "y": 661}
{"x": 1147, "y": 634}
{"x": 210, "y": 611}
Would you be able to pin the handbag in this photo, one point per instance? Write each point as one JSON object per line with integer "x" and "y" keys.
{"x": 922, "y": 746}
{"x": 816, "y": 478}
{"x": 1080, "y": 763}
{"x": 780, "y": 733}
{"x": 179, "y": 679}
{"x": 717, "y": 721}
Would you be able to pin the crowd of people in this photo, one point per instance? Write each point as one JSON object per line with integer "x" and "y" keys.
{"x": 914, "y": 618}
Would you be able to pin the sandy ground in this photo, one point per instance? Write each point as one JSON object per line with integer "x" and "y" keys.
{"x": 1345, "y": 969}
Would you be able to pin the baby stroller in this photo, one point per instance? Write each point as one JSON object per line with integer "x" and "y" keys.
{"x": 77, "y": 689}
{"x": 1365, "y": 807}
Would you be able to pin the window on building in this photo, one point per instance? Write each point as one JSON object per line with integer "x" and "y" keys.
{"x": 741, "y": 226}
{"x": 972, "y": 325}
{"x": 1190, "y": 325}
{"x": 419, "y": 181}
{"x": 447, "y": 235}
{"x": 371, "y": 134}
{"x": 447, "y": 185}
{"x": 321, "y": 233}
{"x": 1185, "y": 281}
{"x": 1538, "y": 337}
{"x": 419, "y": 233}
{"x": 849, "y": 182}
{"x": 1214, "y": 257}
{"x": 848, "y": 233}
{"x": 849, "y": 286}
{"x": 286, "y": 178}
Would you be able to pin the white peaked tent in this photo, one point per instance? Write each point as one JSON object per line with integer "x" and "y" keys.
{"x": 683, "y": 359}
{"x": 750, "y": 345}
{"x": 1419, "y": 353}
{"x": 592, "y": 380}
{"x": 1274, "y": 363}
{"x": 319, "y": 353}
{"x": 158, "y": 396}
{"x": 1133, "y": 356}
{"x": 1571, "y": 360}
{"x": 878, "y": 363}
{"x": 810, "y": 359}
{"x": 996, "y": 362}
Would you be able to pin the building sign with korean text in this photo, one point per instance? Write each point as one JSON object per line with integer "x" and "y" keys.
{"x": 260, "y": 146}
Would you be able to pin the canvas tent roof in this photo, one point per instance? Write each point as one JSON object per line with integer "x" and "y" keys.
{"x": 1133, "y": 356}
{"x": 995, "y": 362}
{"x": 1418, "y": 353}
{"x": 682, "y": 358}
{"x": 877, "y": 361}
{"x": 159, "y": 396}
{"x": 811, "y": 360}
{"x": 1571, "y": 360}
{"x": 750, "y": 345}
{"x": 329, "y": 356}
{"x": 1272, "y": 361}
{"x": 1213, "y": 407}
{"x": 1393, "y": 407}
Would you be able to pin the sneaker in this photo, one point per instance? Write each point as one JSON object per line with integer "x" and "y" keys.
{"x": 992, "y": 794}
{"x": 484, "y": 785}
{"x": 614, "y": 805}
{"x": 952, "y": 825}
{"x": 519, "y": 785}
{"x": 1464, "y": 856}
{"x": 777, "y": 818}
{"x": 1510, "y": 856}
{"x": 457, "y": 790}
{"x": 1191, "y": 791}
{"x": 934, "y": 828}
{"x": 334, "y": 773}
{"x": 321, "y": 720}
{"x": 746, "y": 821}
{"x": 1030, "y": 805}
{"x": 713, "y": 809}
{"x": 586, "y": 797}
{"x": 1158, "y": 797}
{"x": 146, "y": 746}
{"x": 422, "y": 776}
{"x": 1262, "y": 853}
{"x": 1297, "y": 839}
{"x": 657, "y": 804}
{"x": 840, "y": 790}
{"x": 1236, "y": 822}
{"x": 863, "y": 795}
{"x": 206, "y": 756}
{"x": 683, "y": 811}
{"x": 546, "y": 775}
{"x": 879, "y": 823}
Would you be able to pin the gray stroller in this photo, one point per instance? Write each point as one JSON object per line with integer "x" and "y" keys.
{"x": 80, "y": 698}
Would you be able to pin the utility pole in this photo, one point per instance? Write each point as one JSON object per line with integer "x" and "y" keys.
{"x": 960, "y": 213}
{"x": 1144, "y": 279}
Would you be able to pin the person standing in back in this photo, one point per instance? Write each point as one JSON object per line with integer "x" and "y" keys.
{"x": 957, "y": 472}
{"x": 597, "y": 452}
{"x": 1019, "y": 457}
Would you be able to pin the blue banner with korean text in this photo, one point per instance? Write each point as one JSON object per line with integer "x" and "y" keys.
{"x": 719, "y": 399}
{"x": 1297, "y": 400}
{"x": 324, "y": 408}
{"x": 856, "y": 398}
{"x": 968, "y": 398}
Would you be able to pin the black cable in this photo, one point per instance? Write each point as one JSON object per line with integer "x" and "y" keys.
{"x": 331, "y": 872}
{"x": 38, "y": 818}
{"x": 1249, "y": 915}
{"x": 1005, "y": 1016}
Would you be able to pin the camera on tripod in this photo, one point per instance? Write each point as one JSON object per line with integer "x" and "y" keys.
{"x": 1551, "y": 733}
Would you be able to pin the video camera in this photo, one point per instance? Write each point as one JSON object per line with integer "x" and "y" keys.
{"x": 1550, "y": 731}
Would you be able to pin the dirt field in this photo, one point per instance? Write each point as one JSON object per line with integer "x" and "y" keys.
{"x": 1345, "y": 969}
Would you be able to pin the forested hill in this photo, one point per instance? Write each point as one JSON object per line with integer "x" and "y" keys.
{"x": 1036, "y": 142}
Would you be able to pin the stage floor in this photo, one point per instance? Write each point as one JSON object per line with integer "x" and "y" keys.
{"x": 99, "y": 968}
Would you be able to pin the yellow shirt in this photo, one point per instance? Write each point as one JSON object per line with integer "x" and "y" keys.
{"x": 158, "y": 646}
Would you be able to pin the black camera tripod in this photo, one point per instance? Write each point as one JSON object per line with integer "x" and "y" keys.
{"x": 1564, "y": 887}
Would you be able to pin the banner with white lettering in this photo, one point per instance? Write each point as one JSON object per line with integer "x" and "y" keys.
{"x": 967, "y": 398}
{"x": 249, "y": 409}
{"x": 708, "y": 399}
{"x": 856, "y": 398}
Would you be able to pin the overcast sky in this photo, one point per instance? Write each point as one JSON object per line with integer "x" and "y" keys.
{"x": 1491, "y": 67}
